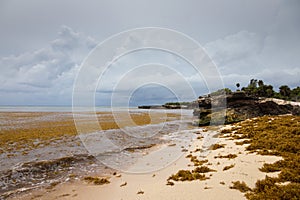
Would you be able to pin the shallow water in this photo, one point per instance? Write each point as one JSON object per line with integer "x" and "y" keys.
{"x": 96, "y": 152}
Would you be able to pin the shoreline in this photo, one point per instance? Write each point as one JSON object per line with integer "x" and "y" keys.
{"x": 39, "y": 158}
{"x": 153, "y": 185}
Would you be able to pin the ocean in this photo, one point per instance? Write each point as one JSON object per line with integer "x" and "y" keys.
{"x": 42, "y": 146}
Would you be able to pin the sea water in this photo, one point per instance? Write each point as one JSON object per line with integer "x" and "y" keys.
{"x": 90, "y": 153}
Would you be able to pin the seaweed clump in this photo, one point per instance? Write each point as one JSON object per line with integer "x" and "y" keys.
{"x": 196, "y": 161}
{"x": 268, "y": 188}
{"x": 229, "y": 156}
{"x": 96, "y": 180}
{"x": 217, "y": 146}
{"x": 241, "y": 186}
{"x": 274, "y": 135}
{"x": 187, "y": 175}
{"x": 25, "y": 131}
{"x": 228, "y": 167}
{"x": 203, "y": 169}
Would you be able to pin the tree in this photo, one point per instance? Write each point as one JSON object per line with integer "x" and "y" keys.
{"x": 224, "y": 91}
{"x": 253, "y": 83}
{"x": 251, "y": 89}
{"x": 260, "y": 83}
{"x": 264, "y": 90}
{"x": 269, "y": 92}
{"x": 295, "y": 94}
{"x": 285, "y": 91}
{"x": 238, "y": 86}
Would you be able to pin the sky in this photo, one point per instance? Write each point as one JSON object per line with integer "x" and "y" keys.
{"x": 44, "y": 45}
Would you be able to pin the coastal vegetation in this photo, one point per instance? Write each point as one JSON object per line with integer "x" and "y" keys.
{"x": 255, "y": 88}
{"x": 254, "y": 100}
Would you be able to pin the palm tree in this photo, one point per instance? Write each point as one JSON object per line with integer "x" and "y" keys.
{"x": 238, "y": 86}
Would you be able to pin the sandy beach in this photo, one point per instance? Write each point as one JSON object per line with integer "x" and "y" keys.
{"x": 128, "y": 186}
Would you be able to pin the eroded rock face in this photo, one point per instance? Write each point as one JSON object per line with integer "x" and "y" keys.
{"x": 239, "y": 107}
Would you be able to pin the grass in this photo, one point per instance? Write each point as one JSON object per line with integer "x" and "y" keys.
{"x": 274, "y": 135}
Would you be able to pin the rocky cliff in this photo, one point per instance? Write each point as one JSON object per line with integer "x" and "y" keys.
{"x": 237, "y": 107}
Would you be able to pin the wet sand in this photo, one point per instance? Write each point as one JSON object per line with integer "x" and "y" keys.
{"x": 153, "y": 185}
{"x": 43, "y": 149}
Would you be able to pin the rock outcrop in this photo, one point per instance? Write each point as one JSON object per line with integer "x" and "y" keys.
{"x": 237, "y": 107}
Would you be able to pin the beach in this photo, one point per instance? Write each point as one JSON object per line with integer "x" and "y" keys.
{"x": 154, "y": 185}
{"x": 180, "y": 161}
{"x": 150, "y": 100}
{"x": 44, "y": 148}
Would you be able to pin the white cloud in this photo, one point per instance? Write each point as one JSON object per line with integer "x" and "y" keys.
{"x": 236, "y": 53}
{"x": 278, "y": 77}
{"x": 49, "y": 71}
{"x": 46, "y": 76}
{"x": 245, "y": 55}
